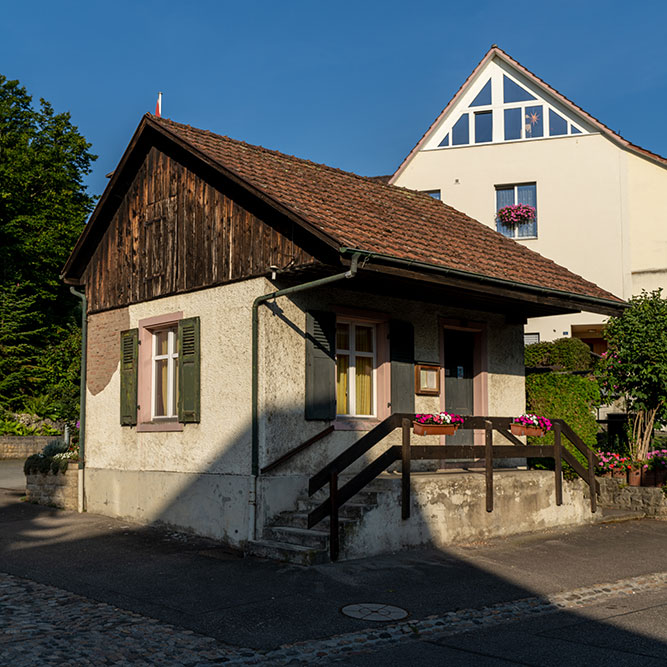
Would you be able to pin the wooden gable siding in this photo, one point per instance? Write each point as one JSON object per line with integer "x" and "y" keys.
{"x": 173, "y": 231}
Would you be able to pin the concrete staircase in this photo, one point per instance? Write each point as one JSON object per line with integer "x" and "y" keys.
{"x": 287, "y": 538}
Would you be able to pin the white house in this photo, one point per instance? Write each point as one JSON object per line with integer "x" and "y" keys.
{"x": 507, "y": 137}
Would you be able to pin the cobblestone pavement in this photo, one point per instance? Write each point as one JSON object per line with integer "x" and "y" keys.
{"x": 46, "y": 625}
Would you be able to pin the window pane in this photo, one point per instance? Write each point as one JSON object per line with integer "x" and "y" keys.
{"x": 512, "y": 124}
{"x": 514, "y": 93}
{"x": 460, "y": 131}
{"x": 363, "y": 339}
{"x": 557, "y": 124}
{"x": 533, "y": 118}
{"x": 161, "y": 387}
{"x": 161, "y": 339}
{"x": 527, "y": 194}
{"x": 434, "y": 194}
{"x": 342, "y": 336}
{"x": 342, "y": 372}
{"x": 504, "y": 197}
{"x": 445, "y": 141}
{"x": 364, "y": 386}
{"x": 483, "y": 127}
{"x": 484, "y": 96}
{"x": 174, "y": 334}
{"x": 575, "y": 130}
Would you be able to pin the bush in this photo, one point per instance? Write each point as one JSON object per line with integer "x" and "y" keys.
{"x": 566, "y": 354}
{"x": 572, "y": 398}
{"x": 54, "y": 447}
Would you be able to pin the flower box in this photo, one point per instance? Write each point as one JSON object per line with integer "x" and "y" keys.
{"x": 520, "y": 429}
{"x": 434, "y": 429}
{"x": 635, "y": 477}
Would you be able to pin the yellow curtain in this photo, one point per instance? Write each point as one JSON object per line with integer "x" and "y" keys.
{"x": 364, "y": 385}
{"x": 342, "y": 367}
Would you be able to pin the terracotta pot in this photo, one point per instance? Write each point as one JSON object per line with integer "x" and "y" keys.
{"x": 635, "y": 477}
{"x": 654, "y": 477}
{"x": 621, "y": 472}
{"x": 520, "y": 429}
{"x": 434, "y": 429}
{"x": 605, "y": 474}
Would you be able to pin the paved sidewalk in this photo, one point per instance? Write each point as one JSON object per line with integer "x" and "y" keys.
{"x": 166, "y": 584}
{"x": 44, "y": 624}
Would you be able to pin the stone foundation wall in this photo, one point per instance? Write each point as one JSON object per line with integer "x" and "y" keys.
{"x": 616, "y": 494}
{"x": 22, "y": 446}
{"x": 58, "y": 490}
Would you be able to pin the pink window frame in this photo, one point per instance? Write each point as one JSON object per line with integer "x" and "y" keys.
{"x": 147, "y": 326}
{"x": 383, "y": 369}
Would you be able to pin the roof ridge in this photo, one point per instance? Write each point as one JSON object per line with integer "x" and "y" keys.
{"x": 272, "y": 151}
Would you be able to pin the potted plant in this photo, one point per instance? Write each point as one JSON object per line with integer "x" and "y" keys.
{"x": 516, "y": 214}
{"x": 440, "y": 423}
{"x": 635, "y": 473}
{"x": 611, "y": 464}
{"x": 528, "y": 424}
{"x": 654, "y": 471}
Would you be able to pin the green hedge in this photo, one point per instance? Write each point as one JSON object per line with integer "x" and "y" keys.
{"x": 567, "y": 354}
{"x": 572, "y": 398}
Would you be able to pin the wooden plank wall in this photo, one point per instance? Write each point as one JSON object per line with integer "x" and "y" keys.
{"x": 174, "y": 232}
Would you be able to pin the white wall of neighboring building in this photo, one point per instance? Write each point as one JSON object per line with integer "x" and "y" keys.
{"x": 601, "y": 209}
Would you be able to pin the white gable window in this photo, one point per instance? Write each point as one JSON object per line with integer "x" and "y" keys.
{"x": 508, "y": 195}
{"x": 500, "y": 106}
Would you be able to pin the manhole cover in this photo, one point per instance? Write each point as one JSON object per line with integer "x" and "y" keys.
{"x": 371, "y": 611}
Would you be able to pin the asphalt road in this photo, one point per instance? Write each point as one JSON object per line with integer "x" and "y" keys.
{"x": 192, "y": 584}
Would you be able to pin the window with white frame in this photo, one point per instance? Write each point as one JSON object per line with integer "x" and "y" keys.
{"x": 508, "y": 195}
{"x": 165, "y": 373}
{"x": 356, "y": 364}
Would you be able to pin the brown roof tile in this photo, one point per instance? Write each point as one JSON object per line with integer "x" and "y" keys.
{"x": 359, "y": 212}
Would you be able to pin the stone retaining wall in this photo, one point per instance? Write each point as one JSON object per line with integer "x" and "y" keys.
{"x": 59, "y": 489}
{"x": 22, "y": 446}
{"x": 616, "y": 494}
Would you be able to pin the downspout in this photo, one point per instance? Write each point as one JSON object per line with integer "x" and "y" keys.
{"x": 351, "y": 273}
{"x": 82, "y": 396}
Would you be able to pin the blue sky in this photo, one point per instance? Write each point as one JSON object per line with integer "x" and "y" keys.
{"x": 350, "y": 84}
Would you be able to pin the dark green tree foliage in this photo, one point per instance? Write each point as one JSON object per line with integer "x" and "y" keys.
{"x": 635, "y": 366}
{"x": 43, "y": 207}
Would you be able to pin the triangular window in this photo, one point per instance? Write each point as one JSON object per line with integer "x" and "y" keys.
{"x": 460, "y": 131}
{"x": 483, "y": 97}
{"x": 574, "y": 130}
{"x": 444, "y": 142}
{"x": 512, "y": 92}
{"x": 557, "y": 124}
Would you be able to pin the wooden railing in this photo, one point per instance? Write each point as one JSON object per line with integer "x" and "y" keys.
{"x": 406, "y": 452}
{"x": 295, "y": 450}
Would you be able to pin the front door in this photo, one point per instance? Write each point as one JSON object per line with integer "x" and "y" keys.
{"x": 459, "y": 379}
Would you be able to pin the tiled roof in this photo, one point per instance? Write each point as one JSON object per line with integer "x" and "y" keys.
{"x": 362, "y": 213}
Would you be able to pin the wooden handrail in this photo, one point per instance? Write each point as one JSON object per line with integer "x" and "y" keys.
{"x": 299, "y": 448}
{"x": 337, "y": 497}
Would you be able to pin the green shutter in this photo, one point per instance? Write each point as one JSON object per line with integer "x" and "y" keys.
{"x": 402, "y": 355}
{"x": 320, "y": 365}
{"x": 188, "y": 370}
{"x": 129, "y": 364}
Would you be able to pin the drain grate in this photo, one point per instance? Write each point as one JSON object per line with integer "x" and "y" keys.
{"x": 372, "y": 611}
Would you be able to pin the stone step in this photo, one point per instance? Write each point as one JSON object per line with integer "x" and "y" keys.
{"x": 300, "y": 520}
{"x": 613, "y": 515}
{"x": 350, "y": 509}
{"x": 314, "y": 539}
{"x": 287, "y": 553}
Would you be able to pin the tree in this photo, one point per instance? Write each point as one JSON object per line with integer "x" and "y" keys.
{"x": 43, "y": 207}
{"x": 635, "y": 366}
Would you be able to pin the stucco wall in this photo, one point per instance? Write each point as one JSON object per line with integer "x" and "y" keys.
{"x": 199, "y": 478}
{"x": 647, "y": 202}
